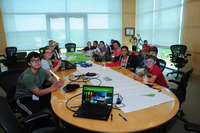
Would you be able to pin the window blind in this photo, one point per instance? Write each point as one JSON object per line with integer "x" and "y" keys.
{"x": 31, "y": 24}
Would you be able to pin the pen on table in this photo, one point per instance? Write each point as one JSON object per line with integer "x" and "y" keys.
{"x": 123, "y": 117}
{"x": 55, "y": 75}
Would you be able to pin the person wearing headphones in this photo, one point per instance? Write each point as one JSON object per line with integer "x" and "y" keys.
{"x": 130, "y": 62}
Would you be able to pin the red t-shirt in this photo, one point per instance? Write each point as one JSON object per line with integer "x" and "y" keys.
{"x": 117, "y": 53}
{"x": 133, "y": 53}
{"x": 146, "y": 47}
{"x": 160, "y": 77}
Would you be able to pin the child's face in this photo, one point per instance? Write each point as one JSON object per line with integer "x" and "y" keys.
{"x": 153, "y": 53}
{"x": 48, "y": 54}
{"x": 150, "y": 63}
{"x": 101, "y": 45}
{"x": 124, "y": 52}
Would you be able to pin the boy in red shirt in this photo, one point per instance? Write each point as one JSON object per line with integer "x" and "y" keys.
{"x": 155, "y": 74}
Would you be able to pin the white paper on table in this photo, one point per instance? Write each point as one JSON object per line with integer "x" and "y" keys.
{"x": 133, "y": 92}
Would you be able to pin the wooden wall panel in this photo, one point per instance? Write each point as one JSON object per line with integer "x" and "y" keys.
{"x": 128, "y": 19}
{"x": 3, "y": 43}
{"x": 191, "y": 34}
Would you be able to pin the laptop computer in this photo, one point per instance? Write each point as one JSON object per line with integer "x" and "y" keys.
{"x": 97, "y": 102}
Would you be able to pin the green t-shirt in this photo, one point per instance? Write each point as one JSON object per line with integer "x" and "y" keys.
{"x": 28, "y": 81}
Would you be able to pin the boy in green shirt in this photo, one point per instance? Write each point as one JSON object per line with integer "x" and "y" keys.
{"x": 30, "y": 95}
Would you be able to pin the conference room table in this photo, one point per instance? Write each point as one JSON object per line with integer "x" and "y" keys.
{"x": 139, "y": 120}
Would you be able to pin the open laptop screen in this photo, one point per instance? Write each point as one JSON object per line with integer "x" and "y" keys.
{"x": 99, "y": 95}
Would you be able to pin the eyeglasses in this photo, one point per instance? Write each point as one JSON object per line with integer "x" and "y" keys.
{"x": 150, "y": 61}
{"x": 35, "y": 60}
{"x": 48, "y": 52}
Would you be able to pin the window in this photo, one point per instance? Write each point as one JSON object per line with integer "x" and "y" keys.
{"x": 30, "y": 24}
{"x": 160, "y": 21}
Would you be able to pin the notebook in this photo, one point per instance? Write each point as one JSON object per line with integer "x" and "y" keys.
{"x": 97, "y": 102}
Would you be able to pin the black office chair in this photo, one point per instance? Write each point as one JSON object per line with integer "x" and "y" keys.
{"x": 8, "y": 81}
{"x": 162, "y": 64}
{"x": 10, "y": 58}
{"x": 10, "y": 124}
{"x": 178, "y": 57}
{"x": 180, "y": 92}
{"x": 21, "y": 62}
{"x": 71, "y": 47}
{"x": 41, "y": 50}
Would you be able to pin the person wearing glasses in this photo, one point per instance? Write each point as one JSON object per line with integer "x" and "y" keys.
{"x": 47, "y": 62}
{"x": 155, "y": 75}
{"x": 30, "y": 94}
{"x": 103, "y": 53}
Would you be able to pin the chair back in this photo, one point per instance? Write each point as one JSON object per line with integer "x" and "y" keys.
{"x": 162, "y": 64}
{"x": 178, "y": 50}
{"x": 71, "y": 47}
{"x": 11, "y": 56}
{"x": 8, "y": 81}
{"x": 181, "y": 89}
{"x": 11, "y": 51}
{"x": 8, "y": 121}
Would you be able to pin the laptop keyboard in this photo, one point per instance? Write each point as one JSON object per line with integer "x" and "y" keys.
{"x": 94, "y": 111}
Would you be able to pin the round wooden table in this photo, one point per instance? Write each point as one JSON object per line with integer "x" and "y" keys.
{"x": 136, "y": 121}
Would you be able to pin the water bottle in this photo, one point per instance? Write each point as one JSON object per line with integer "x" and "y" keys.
{"x": 104, "y": 63}
{"x": 145, "y": 76}
{"x": 62, "y": 67}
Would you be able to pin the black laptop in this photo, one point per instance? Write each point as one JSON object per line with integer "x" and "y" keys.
{"x": 97, "y": 102}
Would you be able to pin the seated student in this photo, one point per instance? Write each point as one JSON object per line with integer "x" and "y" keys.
{"x": 30, "y": 95}
{"x": 103, "y": 53}
{"x": 111, "y": 45}
{"x": 128, "y": 61}
{"x": 154, "y": 52}
{"x": 155, "y": 74}
{"x": 95, "y": 47}
{"x": 47, "y": 62}
{"x": 95, "y": 44}
{"x": 145, "y": 46}
{"x": 54, "y": 47}
{"x": 117, "y": 49}
{"x": 134, "y": 51}
{"x": 89, "y": 47}
{"x": 144, "y": 51}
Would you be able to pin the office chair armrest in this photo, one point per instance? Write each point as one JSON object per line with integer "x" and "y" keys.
{"x": 36, "y": 116}
{"x": 174, "y": 81}
{"x": 192, "y": 127}
{"x": 170, "y": 55}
